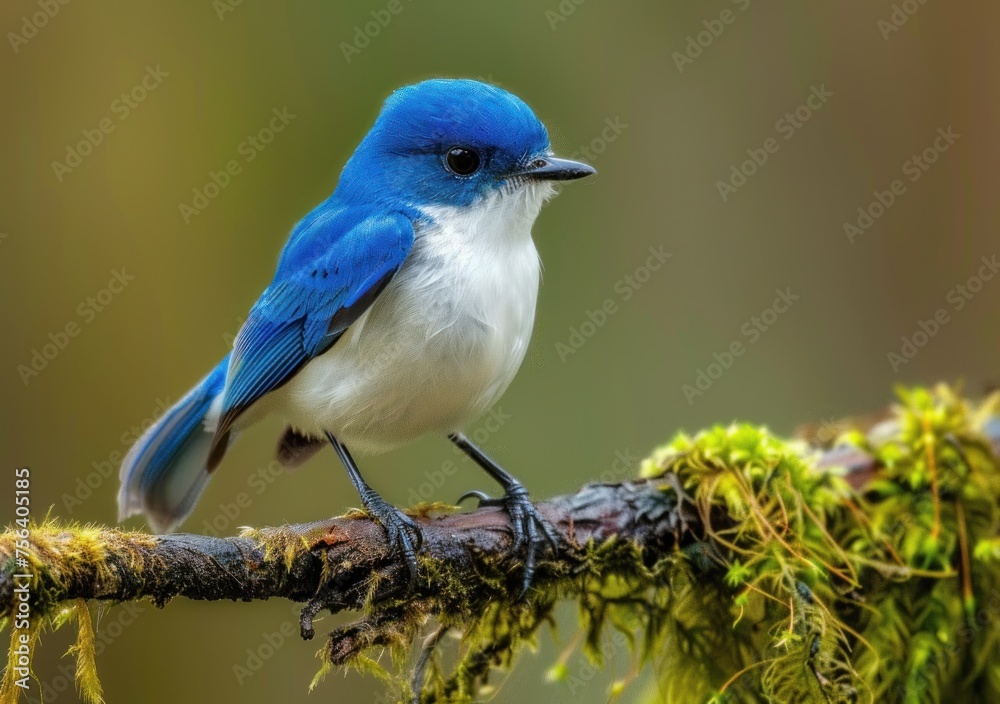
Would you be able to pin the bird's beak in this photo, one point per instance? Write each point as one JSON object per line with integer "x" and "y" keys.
{"x": 550, "y": 168}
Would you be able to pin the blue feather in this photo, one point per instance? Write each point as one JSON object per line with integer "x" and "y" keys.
{"x": 333, "y": 267}
{"x": 164, "y": 473}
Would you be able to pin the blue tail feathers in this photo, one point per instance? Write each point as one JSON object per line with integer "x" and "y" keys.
{"x": 165, "y": 472}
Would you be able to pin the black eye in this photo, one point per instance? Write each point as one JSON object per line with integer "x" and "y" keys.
{"x": 462, "y": 161}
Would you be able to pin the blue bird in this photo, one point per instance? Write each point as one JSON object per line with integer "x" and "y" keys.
{"x": 402, "y": 305}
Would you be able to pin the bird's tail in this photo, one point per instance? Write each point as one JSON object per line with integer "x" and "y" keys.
{"x": 165, "y": 471}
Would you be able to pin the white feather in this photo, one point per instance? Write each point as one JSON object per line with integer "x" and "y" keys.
{"x": 440, "y": 344}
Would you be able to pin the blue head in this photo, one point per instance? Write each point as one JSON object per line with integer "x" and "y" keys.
{"x": 452, "y": 143}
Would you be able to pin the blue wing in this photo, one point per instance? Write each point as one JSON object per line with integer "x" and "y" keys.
{"x": 333, "y": 268}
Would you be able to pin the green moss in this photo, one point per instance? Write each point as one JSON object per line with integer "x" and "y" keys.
{"x": 87, "y": 682}
{"x": 796, "y": 587}
{"x": 58, "y": 553}
{"x": 890, "y": 595}
{"x": 800, "y": 588}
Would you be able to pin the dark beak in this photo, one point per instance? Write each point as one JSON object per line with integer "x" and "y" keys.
{"x": 549, "y": 168}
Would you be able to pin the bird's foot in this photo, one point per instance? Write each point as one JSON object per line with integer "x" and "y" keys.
{"x": 401, "y": 531}
{"x": 531, "y": 531}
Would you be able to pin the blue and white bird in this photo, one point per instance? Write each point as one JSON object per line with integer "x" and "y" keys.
{"x": 402, "y": 305}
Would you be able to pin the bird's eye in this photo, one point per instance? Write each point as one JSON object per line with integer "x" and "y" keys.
{"x": 462, "y": 161}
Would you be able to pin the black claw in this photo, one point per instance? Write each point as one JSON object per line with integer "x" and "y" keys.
{"x": 402, "y": 533}
{"x": 484, "y": 498}
{"x": 529, "y": 528}
{"x": 531, "y": 531}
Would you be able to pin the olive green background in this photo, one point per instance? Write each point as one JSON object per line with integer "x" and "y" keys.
{"x": 564, "y": 420}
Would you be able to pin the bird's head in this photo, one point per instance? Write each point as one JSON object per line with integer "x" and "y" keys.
{"x": 455, "y": 143}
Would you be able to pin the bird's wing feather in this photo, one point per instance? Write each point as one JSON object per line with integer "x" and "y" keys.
{"x": 330, "y": 273}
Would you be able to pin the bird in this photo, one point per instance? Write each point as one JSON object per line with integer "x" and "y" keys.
{"x": 401, "y": 306}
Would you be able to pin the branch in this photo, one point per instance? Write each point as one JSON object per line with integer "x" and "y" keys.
{"x": 762, "y": 527}
{"x": 341, "y": 555}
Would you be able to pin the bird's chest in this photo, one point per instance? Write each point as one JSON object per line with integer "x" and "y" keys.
{"x": 439, "y": 345}
{"x": 463, "y": 313}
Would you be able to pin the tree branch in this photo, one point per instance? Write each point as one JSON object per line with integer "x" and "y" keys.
{"x": 333, "y": 564}
{"x": 763, "y": 516}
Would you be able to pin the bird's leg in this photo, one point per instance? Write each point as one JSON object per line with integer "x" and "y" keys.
{"x": 402, "y": 532}
{"x": 530, "y": 529}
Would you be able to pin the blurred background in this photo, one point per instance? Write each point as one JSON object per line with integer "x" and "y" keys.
{"x": 126, "y": 274}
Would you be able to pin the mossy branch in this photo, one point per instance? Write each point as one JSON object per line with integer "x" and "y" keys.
{"x": 342, "y": 563}
{"x": 747, "y": 568}
{"x": 339, "y": 564}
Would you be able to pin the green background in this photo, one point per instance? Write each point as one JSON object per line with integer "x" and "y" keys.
{"x": 566, "y": 421}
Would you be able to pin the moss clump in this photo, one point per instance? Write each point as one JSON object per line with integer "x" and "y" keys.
{"x": 746, "y": 615}
{"x": 59, "y": 553}
{"x": 806, "y": 590}
{"x": 802, "y": 588}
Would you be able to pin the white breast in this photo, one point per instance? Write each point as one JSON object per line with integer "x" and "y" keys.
{"x": 441, "y": 343}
